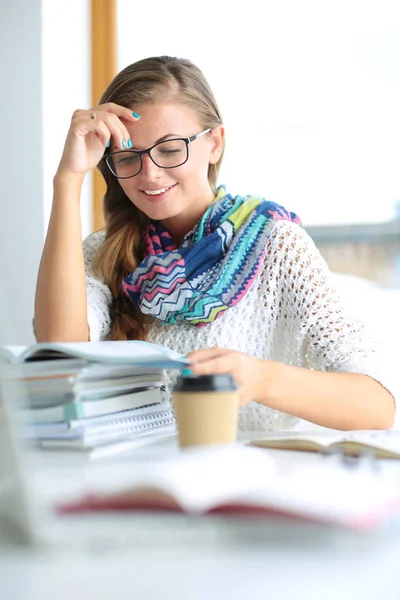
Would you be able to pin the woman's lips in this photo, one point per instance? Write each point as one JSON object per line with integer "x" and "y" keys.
{"x": 158, "y": 194}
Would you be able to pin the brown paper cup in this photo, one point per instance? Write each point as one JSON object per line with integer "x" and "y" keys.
{"x": 206, "y": 418}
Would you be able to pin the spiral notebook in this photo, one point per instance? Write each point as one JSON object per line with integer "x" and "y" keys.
{"x": 85, "y": 434}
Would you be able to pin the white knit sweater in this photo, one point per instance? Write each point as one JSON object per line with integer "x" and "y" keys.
{"x": 291, "y": 314}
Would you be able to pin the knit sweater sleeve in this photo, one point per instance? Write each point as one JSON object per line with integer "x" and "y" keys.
{"x": 98, "y": 293}
{"x": 331, "y": 338}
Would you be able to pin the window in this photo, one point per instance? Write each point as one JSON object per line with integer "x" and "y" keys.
{"x": 312, "y": 87}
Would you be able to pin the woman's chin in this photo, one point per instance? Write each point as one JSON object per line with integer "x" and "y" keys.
{"x": 158, "y": 211}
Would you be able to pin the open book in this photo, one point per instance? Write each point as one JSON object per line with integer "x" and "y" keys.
{"x": 133, "y": 352}
{"x": 246, "y": 481}
{"x": 380, "y": 444}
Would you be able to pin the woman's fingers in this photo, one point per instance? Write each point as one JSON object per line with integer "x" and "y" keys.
{"x": 83, "y": 123}
{"x": 112, "y": 114}
{"x": 120, "y": 111}
{"x": 88, "y": 121}
{"x": 207, "y": 354}
{"x": 103, "y": 133}
{"x": 221, "y": 363}
{"x": 118, "y": 132}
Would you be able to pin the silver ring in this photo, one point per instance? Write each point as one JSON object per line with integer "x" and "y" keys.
{"x": 92, "y": 115}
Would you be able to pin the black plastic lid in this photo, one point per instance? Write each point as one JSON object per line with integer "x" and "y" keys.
{"x": 205, "y": 383}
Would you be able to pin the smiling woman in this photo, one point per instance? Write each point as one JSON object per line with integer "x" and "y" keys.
{"x": 232, "y": 281}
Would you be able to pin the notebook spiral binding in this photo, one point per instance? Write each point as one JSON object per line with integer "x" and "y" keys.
{"x": 130, "y": 424}
{"x": 121, "y": 421}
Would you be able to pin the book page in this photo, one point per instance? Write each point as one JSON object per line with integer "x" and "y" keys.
{"x": 299, "y": 441}
{"x": 196, "y": 479}
{"x": 203, "y": 478}
{"x": 330, "y": 492}
{"x": 128, "y": 352}
{"x": 387, "y": 441}
{"x": 355, "y": 441}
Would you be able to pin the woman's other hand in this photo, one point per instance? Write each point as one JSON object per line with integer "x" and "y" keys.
{"x": 253, "y": 375}
{"x": 90, "y": 133}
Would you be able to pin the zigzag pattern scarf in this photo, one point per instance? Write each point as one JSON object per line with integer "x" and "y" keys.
{"x": 214, "y": 267}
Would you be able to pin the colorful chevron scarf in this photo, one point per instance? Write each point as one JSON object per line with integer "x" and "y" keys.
{"x": 214, "y": 267}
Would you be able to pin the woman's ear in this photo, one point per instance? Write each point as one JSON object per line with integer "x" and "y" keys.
{"x": 217, "y": 144}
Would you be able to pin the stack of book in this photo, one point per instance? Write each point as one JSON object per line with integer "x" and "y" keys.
{"x": 89, "y": 394}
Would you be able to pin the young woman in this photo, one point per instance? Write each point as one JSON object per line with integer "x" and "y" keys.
{"x": 234, "y": 282}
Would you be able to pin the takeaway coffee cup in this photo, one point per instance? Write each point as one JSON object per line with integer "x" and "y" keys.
{"x": 206, "y": 409}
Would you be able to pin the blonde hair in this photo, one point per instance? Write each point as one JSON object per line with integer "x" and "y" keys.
{"x": 148, "y": 80}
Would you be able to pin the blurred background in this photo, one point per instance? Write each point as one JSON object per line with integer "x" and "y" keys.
{"x": 309, "y": 92}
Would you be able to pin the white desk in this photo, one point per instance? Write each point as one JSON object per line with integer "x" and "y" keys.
{"x": 178, "y": 557}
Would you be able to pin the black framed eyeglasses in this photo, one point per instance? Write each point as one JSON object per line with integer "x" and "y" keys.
{"x": 166, "y": 155}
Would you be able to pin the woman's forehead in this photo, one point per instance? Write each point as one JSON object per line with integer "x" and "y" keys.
{"x": 158, "y": 120}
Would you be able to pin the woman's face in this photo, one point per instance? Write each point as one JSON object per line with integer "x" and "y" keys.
{"x": 181, "y": 193}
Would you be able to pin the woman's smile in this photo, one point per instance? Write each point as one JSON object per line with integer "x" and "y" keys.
{"x": 158, "y": 194}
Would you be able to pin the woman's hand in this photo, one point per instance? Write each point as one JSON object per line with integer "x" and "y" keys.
{"x": 253, "y": 375}
{"x": 89, "y": 134}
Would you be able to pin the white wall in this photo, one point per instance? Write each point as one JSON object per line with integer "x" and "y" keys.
{"x": 44, "y": 50}
{"x": 66, "y": 87}
{"x": 309, "y": 91}
{"x": 21, "y": 164}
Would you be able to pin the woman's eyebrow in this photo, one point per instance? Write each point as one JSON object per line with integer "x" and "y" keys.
{"x": 167, "y": 136}
{"x": 162, "y": 139}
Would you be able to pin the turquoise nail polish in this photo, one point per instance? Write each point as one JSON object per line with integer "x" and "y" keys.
{"x": 187, "y": 371}
{"x": 130, "y": 143}
{"x": 124, "y": 144}
{"x": 108, "y": 144}
{"x": 135, "y": 114}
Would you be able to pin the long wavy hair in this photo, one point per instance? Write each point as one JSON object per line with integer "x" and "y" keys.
{"x": 148, "y": 80}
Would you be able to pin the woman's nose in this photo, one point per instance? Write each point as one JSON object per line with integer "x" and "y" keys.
{"x": 149, "y": 168}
